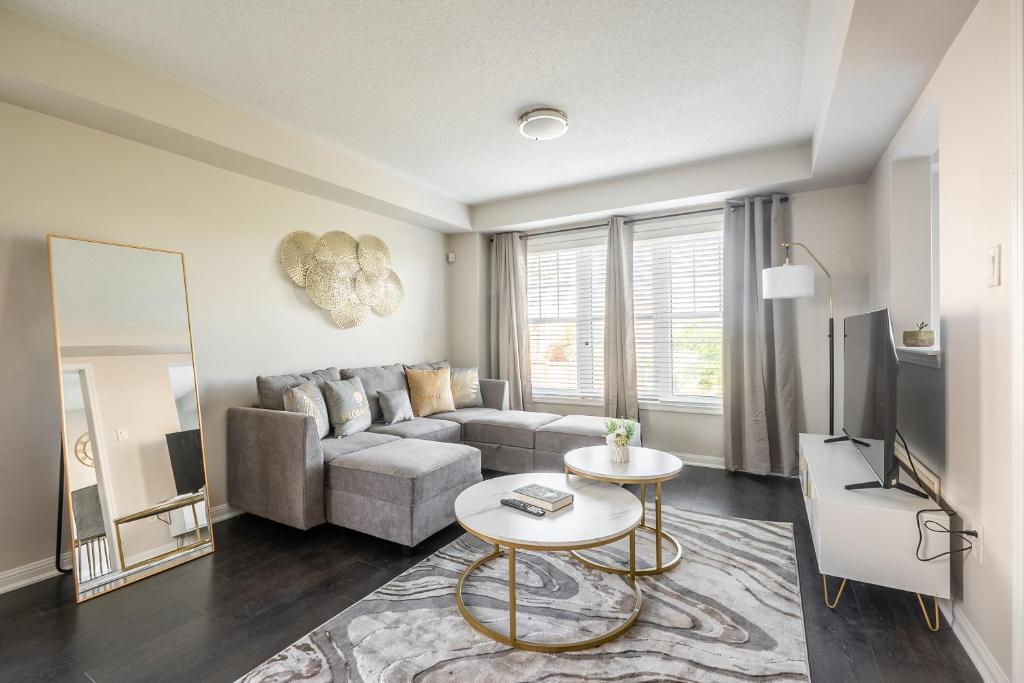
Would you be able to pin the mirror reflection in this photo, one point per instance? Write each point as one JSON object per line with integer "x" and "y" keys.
{"x": 133, "y": 444}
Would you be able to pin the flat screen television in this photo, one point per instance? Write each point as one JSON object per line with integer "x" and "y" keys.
{"x": 870, "y": 374}
{"x": 870, "y": 385}
{"x": 186, "y": 452}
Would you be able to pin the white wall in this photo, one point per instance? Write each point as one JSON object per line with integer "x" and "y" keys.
{"x": 248, "y": 318}
{"x": 834, "y": 224}
{"x": 970, "y": 90}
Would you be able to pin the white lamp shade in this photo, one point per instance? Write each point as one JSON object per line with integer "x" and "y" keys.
{"x": 787, "y": 282}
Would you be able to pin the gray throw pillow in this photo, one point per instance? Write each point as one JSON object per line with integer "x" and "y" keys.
{"x": 466, "y": 388}
{"x": 347, "y": 406}
{"x": 395, "y": 405}
{"x": 309, "y": 400}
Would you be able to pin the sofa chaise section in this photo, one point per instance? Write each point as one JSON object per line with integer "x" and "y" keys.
{"x": 403, "y": 490}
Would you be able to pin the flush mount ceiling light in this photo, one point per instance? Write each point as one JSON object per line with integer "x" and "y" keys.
{"x": 543, "y": 123}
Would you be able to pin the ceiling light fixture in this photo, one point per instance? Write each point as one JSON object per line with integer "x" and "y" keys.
{"x": 543, "y": 123}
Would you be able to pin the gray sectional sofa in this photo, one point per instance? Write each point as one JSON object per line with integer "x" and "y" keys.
{"x": 397, "y": 482}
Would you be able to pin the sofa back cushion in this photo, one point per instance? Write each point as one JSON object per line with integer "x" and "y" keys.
{"x": 430, "y": 391}
{"x": 308, "y": 399}
{"x": 271, "y": 388}
{"x": 376, "y": 379}
{"x": 347, "y": 406}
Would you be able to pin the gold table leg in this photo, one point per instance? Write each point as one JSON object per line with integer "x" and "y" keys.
{"x": 512, "y": 639}
{"x": 643, "y": 502}
{"x": 824, "y": 585}
{"x": 933, "y": 625}
{"x": 512, "y": 593}
{"x": 659, "y": 533}
{"x": 632, "y": 555}
{"x": 657, "y": 524}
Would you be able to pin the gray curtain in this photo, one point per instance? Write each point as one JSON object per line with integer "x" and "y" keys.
{"x": 759, "y": 343}
{"x": 619, "y": 342}
{"x": 510, "y": 329}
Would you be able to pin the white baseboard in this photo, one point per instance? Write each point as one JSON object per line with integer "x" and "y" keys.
{"x": 713, "y": 461}
{"x": 979, "y": 653}
{"x": 31, "y": 573}
{"x": 41, "y": 570}
{"x": 224, "y": 511}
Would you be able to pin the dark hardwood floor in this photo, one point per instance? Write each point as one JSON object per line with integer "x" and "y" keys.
{"x": 267, "y": 585}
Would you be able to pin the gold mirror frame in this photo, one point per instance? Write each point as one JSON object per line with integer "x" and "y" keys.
{"x": 184, "y": 554}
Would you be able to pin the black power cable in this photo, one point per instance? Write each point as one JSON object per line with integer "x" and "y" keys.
{"x": 932, "y": 525}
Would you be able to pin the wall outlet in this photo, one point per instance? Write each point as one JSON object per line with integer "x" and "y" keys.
{"x": 451, "y": 257}
{"x": 122, "y": 433}
{"x": 977, "y": 552}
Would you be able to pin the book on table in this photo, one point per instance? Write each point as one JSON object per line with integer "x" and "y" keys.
{"x": 548, "y": 498}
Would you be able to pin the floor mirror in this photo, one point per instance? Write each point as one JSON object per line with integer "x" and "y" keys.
{"x": 134, "y": 470}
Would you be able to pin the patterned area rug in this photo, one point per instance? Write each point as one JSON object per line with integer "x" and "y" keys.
{"x": 730, "y": 611}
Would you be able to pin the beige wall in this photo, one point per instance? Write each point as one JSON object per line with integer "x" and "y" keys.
{"x": 248, "y": 318}
{"x": 971, "y": 91}
{"x": 468, "y": 287}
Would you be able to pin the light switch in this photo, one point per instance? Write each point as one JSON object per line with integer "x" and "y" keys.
{"x": 995, "y": 265}
{"x": 122, "y": 433}
{"x": 451, "y": 257}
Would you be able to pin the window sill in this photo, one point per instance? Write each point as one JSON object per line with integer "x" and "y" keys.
{"x": 926, "y": 356}
{"x": 698, "y": 407}
{"x": 567, "y": 400}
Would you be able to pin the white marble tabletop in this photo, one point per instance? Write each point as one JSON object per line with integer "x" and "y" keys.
{"x": 645, "y": 464}
{"x": 599, "y": 512}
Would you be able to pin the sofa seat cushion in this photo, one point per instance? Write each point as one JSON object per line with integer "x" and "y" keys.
{"x": 359, "y": 441}
{"x": 507, "y": 427}
{"x": 464, "y": 415}
{"x": 573, "y": 431}
{"x": 405, "y": 471}
{"x": 426, "y": 428}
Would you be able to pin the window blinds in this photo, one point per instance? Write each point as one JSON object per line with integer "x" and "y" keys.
{"x": 677, "y": 309}
{"x": 565, "y": 293}
{"x": 677, "y": 299}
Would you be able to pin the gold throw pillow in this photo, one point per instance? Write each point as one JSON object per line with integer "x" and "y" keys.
{"x": 430, "y": 391}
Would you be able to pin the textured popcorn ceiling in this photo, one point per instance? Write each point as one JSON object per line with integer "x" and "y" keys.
{"x": 433, "y": 88}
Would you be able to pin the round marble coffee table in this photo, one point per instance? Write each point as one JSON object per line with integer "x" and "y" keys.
{"x": 645, "y": 466}
{"x": 600, "y": 514}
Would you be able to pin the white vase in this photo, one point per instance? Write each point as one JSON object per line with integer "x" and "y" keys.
{"x": 620, "y": 453}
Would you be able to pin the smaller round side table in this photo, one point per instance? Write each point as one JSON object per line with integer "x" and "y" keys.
{"x": 645, "y": 466}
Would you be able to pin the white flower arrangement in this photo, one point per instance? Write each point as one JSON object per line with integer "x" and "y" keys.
{"x": 620, "y": 433}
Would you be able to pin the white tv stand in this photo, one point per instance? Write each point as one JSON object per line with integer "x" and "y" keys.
{"x": 869, "y": 535}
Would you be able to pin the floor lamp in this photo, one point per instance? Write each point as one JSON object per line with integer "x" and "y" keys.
{"x": 790, "y": 281}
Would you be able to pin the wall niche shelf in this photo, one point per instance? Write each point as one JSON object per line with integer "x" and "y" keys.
{"x": 929, "y": 357}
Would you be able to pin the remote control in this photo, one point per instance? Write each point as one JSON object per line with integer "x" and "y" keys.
{"x": 525, "y": 507}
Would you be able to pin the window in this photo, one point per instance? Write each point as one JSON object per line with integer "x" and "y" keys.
{"x": 565, "y": 292}
{"x": 677, "y": 299}
{"x": 677, "y": 309}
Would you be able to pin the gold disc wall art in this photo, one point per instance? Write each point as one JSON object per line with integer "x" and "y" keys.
{"x": 295, "y": 254}
{"x": 374, "y": 257}
{"x": 346, "y": 277}
{"x": 383, "y": 296}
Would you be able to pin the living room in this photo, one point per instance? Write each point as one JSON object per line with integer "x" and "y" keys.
{"x": 393, "y": 261}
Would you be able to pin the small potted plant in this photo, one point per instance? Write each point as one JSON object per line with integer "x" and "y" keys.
{"x": 618, "y": 435}
{"x": 920, "y": 337}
